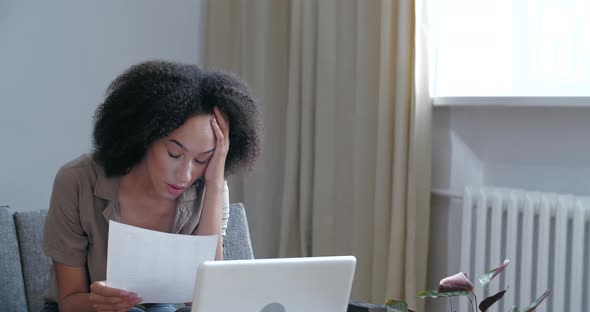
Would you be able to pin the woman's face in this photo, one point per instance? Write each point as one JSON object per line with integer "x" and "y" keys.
{"x": 175, "y": 162}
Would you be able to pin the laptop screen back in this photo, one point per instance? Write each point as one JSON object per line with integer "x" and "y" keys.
{"x": 275, "y": 285}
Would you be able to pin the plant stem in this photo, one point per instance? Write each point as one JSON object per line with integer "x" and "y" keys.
{"x": 471, "y": 300}
{"x": 474, "y": 295}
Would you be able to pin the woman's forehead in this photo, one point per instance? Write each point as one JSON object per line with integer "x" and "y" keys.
{"x": 195, "y": 135}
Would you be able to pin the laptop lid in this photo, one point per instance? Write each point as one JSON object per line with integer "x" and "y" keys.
{"x": 275, "y": 285}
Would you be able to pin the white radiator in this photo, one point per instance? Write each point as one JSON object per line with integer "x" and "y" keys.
{"x": 546, "y": 237}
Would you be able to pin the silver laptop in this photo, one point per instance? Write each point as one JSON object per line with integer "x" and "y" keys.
{"x": 307, "y": 284}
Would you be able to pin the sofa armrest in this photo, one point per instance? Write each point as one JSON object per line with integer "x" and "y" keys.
{"x": 12, "y": 288}
{"x": 237, "y": 239}
{"x": 36, "y": 266}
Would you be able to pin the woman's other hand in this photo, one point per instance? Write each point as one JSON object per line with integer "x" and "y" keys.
{"x": 214, "y": 174}
{"x": 104, "y": 298}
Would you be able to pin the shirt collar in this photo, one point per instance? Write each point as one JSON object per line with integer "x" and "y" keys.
{"x": 185, "y": 205}
{"x": 107, "y": 187}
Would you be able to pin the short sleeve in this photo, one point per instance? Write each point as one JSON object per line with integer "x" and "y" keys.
{"x": 225, "y": 209}
{"x": 65, "y": 241}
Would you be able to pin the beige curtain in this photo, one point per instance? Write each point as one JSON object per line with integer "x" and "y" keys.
{"x": 346, "y": 165}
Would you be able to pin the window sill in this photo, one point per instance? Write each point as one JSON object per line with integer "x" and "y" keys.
{"x": 513, "y": 101}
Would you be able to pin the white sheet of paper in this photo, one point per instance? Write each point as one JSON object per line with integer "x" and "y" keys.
{"x": 159, "y": 267}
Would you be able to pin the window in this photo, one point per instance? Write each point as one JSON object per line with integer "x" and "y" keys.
{"x": 511, "y": 48}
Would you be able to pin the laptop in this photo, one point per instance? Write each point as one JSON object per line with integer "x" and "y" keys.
{"x": 307, "y": 284}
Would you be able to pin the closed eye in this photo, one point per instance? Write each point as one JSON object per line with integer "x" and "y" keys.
{"x": 201, "y": 162}
{"x": 173, "y": 156}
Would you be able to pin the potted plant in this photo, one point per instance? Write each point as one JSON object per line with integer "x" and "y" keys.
{"x": 460, "y": 285}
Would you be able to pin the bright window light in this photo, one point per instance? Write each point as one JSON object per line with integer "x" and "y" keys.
{"x": 511, "y": 48}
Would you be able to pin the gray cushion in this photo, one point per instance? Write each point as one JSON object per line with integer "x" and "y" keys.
{"x": 12, "y": 288}
{"x": 237, "y": 237}
{"x": 29, "y": 226}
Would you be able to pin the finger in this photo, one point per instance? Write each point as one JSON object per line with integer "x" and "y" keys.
{"x": 100, "y": 288}
{"x": 217, "y": 130}
{"x": 123, "y": 305}
{"x": 223, "y": 123}
{"x": 222, "y": 142}
{"x": 97, "y": 299}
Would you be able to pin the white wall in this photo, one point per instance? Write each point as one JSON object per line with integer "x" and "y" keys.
{"x": 56, "y": 60}
{"x": 543, "y": 149}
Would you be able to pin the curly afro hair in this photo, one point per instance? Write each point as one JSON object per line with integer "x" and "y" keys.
{"x": 150, "y": 100}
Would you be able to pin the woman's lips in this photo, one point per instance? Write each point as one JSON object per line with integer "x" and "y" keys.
{"x": 175, "y": 190}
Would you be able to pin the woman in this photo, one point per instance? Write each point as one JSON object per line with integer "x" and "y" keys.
{"x": 161, "y": 155}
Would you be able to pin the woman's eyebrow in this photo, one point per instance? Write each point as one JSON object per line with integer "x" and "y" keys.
{"x": 186, "y": 149}
{"x": 209, "y": 151}
{"x": 179, "y": 144}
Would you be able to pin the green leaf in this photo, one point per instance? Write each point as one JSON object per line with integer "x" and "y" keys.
{"x": 396, "y": 306}
{"x": 436, "y": 294}
{"x": 535, "y": 303}
{"x": 486, "y": 278}
{"x": 489, "y": 301}
{"x": 514, "y": 309}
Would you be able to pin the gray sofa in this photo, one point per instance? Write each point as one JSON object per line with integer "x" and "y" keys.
{"x": 24, "y": 269}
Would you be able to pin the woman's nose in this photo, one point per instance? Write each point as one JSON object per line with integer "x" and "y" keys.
{"x": 184, "y": 173}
